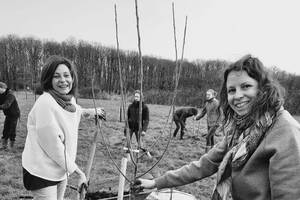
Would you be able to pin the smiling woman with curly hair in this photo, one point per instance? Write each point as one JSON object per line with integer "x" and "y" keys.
{"x": 259, "y": 157}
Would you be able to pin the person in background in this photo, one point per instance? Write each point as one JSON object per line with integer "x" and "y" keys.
{"x": 51, "y": 143}
{"x": 211, "y": 109}
{"x": 133, "y": 116}
{"x": 180, "y": 117}
{"x": 258, "y": 158}
{"x": 10, "y": 108}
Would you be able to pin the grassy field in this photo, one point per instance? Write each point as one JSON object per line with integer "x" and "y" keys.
{"x": 104, "y": 175}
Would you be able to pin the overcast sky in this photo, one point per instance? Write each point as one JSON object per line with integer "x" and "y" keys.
{"x": 217, "y": 29}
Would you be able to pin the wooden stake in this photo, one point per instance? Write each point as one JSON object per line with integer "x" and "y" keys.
{"x": 92, "y": 154}
{"x": 132, "y": 197}
{"x": 175, "y": 92}
{"x": 90, "y": 161}
{"x": 122, "y": 178}
{"x": 199, "y": 129}
{"x": 123, "y": 104}
{"x": 175, "y": 43}
{"x": 94, "y": 144}
{"x": 194, "y": 127}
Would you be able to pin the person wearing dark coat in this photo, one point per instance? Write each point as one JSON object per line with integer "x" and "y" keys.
{"x": 133, "y": 116}
{"x": 180, "y": 117}
{"x": 10, "y": 108}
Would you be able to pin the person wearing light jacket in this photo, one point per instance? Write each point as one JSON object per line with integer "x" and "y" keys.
{"x": 211, "y": 110}
{"x": 51, "y": 143}
{"x": 259, "y": 156}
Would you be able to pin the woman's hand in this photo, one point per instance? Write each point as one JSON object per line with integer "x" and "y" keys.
{"x": 82, "y": 180}
{"x": 144, "y": 184}
{"x": 143, "y": 133}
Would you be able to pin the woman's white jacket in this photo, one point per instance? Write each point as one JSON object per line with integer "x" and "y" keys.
{"x": 51, "y": 143}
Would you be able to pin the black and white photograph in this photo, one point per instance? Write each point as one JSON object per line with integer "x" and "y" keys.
{"x": 149, "y": 100}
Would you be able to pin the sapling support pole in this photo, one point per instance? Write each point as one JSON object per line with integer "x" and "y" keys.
{"x": 92, "y": 152}
{"x": 88, "y": 169}
{"x": 141, "y": 77}
{"x": 199, "y": 128}
{"x": 194, "y": 127}
{"x": 124, "y": 162}
{"x": 122, "y": 178}
{"x": 90, "y": 161}
{"x": 121, "y": 113}
{"x": 123, "y": 105}
{"x": 175, "y": 90}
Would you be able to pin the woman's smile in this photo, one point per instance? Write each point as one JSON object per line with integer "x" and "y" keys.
{"x": 241, "y": 91}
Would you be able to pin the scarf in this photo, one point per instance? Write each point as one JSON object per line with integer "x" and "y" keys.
{"x": 246, "y": 134}
{"x": 64, "y": 100}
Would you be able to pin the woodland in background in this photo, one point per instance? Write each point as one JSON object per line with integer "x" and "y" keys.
{"x": 21, "y": 61}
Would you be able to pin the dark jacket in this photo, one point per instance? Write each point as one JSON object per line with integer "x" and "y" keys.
{"x": 133, "y": 116}
{"x": 9, "y": 104}
{"x": 184, "y": 113}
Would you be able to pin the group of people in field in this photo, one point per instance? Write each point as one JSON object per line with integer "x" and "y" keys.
{"x": 211, "y": 109}
{"x": 258, "y": 157}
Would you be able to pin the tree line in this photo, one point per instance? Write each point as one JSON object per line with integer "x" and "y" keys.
{"x": 21, "y": 61}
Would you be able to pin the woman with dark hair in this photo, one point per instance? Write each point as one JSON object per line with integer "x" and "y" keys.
{"x": 259, "y": 157}
{"x": 51, "y": 144}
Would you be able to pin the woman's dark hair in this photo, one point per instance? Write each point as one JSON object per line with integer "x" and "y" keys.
{"x": 270, "y": 93}
{"x": 48, "y": 71}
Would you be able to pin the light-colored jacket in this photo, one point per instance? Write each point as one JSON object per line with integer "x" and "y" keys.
{"x": 51, "y": 142}
{"x": 211, "y": 111}
{"x": 271, "y": 173}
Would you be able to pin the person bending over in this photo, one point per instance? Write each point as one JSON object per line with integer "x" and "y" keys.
{"x": 180, "y": 117}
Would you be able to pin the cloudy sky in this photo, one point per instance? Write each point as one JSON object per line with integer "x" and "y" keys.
{"x": 217, "y": 29}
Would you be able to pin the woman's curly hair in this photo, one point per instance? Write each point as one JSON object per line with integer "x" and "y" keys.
{"x": 270, "y": 93}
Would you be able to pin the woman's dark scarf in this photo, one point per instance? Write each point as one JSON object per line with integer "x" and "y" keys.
{"x": 64, "y": 100}
{"x": 244, "y": 137}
